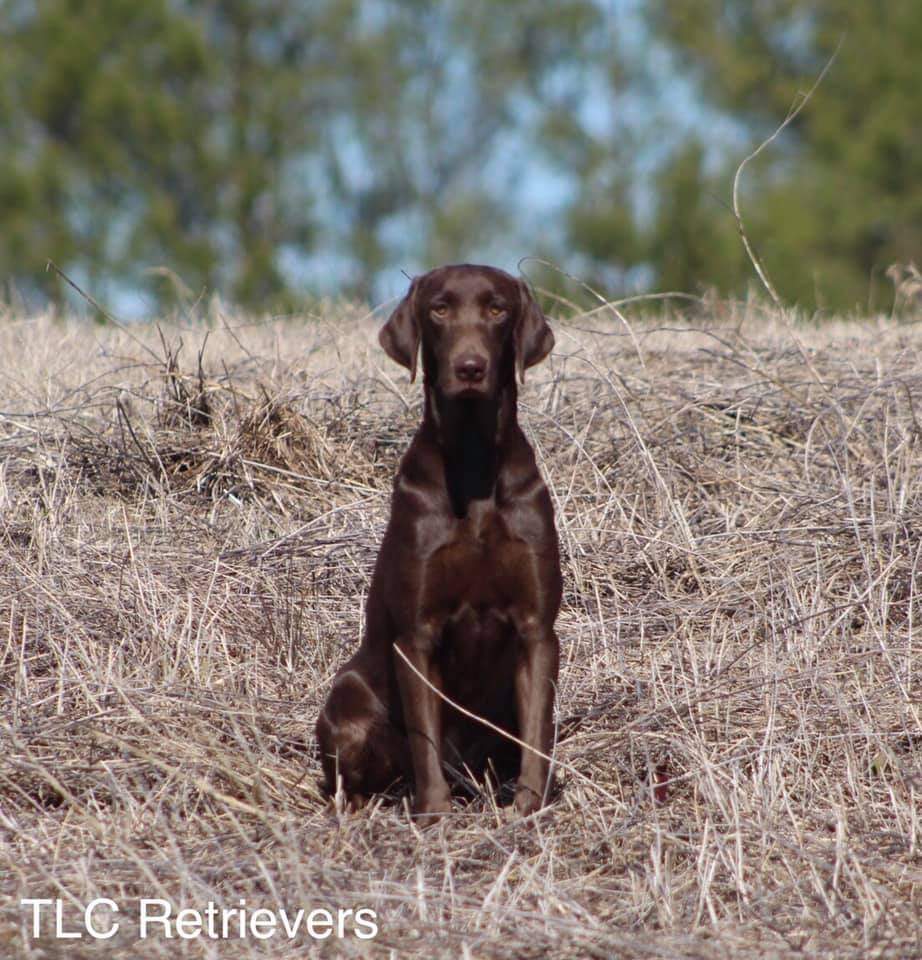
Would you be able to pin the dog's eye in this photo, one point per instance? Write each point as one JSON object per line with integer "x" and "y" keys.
{"x": 438, "y": 311}
{"x": 497, "y": 312}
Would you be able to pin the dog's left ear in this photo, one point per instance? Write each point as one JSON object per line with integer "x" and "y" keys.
{"x": 534, "y": 338}
{"x": 400, "y": 335}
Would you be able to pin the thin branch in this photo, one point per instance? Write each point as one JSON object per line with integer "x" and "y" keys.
{"x": 796, "y": 108}
{"x": 93, "y": 302}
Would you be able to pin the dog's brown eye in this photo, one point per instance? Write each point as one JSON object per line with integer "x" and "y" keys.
{"x": 497, "y": 313}
{"x": 439, "y": 311}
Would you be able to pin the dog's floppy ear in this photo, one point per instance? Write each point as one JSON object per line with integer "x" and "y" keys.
{"x": 400, "y": 335}
{"x": 534, "y": 338}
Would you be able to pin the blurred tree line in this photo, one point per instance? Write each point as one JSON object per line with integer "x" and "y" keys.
{"x": 262, "y": 147}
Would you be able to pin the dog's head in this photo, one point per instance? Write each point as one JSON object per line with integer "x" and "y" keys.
{"x": 476, "y": 326}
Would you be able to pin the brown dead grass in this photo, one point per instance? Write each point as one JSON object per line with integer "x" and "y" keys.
{"x": 186, "y": 540}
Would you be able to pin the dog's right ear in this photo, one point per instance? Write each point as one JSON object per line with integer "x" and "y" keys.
{"x": 400, "y": 335}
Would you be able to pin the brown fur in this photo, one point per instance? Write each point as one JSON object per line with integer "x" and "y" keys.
{"x": 467, "y": 582}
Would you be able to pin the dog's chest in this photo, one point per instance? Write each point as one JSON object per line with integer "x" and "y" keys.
{"x": 481, "y": 563}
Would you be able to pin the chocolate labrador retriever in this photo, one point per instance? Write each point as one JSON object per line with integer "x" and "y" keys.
{"x": 467, "y": 583}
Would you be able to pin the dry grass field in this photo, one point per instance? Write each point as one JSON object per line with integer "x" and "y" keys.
{"x": 188, "y": 520}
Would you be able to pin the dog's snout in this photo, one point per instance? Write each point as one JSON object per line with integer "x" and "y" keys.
{"x": 471, "y": 367}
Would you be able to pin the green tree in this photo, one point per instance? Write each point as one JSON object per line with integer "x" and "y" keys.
{"x": 146, "y": 133}
{"x": 838, "y": 197}
{"x": 691, "y": 243}
{"x": 227, "y": 141}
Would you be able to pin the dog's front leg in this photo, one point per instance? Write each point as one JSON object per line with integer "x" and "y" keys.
{"x": 535, "y": 683}
{"x": 422, "y": 712}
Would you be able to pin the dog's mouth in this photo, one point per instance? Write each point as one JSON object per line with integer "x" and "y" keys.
{"x": 467, "y": 391}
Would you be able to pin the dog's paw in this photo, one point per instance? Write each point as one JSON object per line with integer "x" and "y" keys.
{"x": 429, "y": 810}
{"x": 527, "y": 802}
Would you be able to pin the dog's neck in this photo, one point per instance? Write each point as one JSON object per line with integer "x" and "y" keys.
{"x": 471, "y": 433}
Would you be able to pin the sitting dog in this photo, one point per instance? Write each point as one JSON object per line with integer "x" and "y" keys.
{"x": 467, "y": 583}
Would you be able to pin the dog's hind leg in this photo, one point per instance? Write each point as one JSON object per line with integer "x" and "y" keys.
{"x": 360, "y": 750}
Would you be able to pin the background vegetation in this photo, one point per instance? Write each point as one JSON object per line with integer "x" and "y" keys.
{"x": 273, "y": 150}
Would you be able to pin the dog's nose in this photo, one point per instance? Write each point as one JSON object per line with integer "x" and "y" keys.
{"x": 471, "y": 368}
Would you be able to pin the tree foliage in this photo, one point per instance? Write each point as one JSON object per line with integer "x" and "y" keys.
{"x": 266, "y": 148}
{"x": 230, "y": 141}
{"x": 839, "y": 198}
